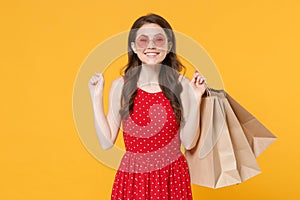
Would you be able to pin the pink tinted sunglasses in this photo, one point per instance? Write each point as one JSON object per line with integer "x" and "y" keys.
{"x": 143, "y": 41}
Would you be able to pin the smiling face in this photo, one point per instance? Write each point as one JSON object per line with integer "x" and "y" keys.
{"x": 151, "y": 44}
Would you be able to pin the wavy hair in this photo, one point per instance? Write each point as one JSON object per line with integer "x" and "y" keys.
{"x": 169, "y": 73}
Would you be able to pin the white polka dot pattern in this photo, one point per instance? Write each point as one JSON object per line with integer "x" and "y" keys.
{"x": 153, "y": 166}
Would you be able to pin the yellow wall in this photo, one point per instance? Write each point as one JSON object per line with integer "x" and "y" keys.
{"x": 255, "y": 45}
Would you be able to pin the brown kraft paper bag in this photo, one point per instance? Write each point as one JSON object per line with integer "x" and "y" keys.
{"x": 223, "y": 154}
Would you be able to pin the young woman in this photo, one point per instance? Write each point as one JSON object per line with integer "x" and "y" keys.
{"x": 158, "y": 109}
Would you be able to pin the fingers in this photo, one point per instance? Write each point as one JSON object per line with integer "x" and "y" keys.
{"x": 196, "y": 73}
{"x": 98, "y": 77}
{"x": 201, "y": 80}
{"x": 198, "y": 79}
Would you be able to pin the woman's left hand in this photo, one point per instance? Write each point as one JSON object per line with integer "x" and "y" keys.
{"x": 198, "y": 84}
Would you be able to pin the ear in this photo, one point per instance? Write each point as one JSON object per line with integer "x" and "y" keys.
{"x": 133, "y": 47}
{"x": 170, "y": 45}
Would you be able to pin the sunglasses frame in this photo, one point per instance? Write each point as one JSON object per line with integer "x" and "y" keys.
{"x": 151, "y": 40}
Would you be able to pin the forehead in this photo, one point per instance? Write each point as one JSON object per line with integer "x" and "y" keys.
{"x": 150, "y": 30}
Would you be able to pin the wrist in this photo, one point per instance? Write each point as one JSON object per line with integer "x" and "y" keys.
{"x": 97, "y": 100}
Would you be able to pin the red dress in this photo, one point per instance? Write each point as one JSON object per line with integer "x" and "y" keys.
{"x": 153, "y": 166}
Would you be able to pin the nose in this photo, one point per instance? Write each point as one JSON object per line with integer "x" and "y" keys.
{"x": 150, "y": 45}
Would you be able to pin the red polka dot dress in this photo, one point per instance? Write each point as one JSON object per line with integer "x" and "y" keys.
{"x": 153, "y": 167}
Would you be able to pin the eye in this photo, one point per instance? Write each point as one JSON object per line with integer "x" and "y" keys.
{"x": 159, "y": 38}
{"x": 143, "y": 38}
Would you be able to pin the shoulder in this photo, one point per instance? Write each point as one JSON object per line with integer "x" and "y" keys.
{"x": 117, "y": 84}
{"x": 118, "y": 81}
{"x": 187, "y": 90}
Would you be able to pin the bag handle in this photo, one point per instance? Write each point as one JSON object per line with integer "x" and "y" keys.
{"x": 207, "y": 90}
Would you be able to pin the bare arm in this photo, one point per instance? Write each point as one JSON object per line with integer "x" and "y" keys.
{"x": 107, "y": 126}
{"x": 191, "y": 100}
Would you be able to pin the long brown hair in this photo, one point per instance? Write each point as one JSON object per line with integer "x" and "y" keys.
{"x": 168, "y": 76}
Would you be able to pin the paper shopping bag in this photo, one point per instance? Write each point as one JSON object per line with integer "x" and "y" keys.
{"x": 212, "y": 161}
{"x": 225, "y": 131}
{"x": 258, "y": 136}
{"x": 247, "y": 165}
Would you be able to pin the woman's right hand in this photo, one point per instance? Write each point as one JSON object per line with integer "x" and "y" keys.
{"x": 96, "y": 84}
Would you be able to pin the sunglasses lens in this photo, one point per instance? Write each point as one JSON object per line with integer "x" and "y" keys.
{"x": 142, "y": 41}
{"x": 159, "y": 40}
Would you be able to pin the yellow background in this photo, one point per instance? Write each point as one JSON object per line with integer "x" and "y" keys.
{"x": 255, "y": 45}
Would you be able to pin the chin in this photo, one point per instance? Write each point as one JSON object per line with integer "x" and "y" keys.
{"x": 152, "y": 61}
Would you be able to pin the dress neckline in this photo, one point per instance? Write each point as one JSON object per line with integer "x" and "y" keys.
{"x": 150, "y": 92}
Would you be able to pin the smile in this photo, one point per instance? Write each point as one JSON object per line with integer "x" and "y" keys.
{"x": 152, "y": 54}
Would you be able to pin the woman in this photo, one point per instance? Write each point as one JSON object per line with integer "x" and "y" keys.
{"x": 158, "y": 109}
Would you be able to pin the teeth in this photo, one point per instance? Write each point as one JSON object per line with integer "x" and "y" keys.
{"x": 151, "y": 54}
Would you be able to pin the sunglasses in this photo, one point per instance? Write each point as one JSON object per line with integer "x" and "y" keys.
{"x": 158, "y": 40}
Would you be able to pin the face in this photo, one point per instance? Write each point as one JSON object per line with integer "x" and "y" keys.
{"x": 151, "y": 44}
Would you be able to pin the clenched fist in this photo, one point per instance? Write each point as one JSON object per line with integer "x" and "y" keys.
{"x": 96, "y": 84}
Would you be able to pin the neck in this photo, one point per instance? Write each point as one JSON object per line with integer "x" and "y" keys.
{"x": 149, "y": 73}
